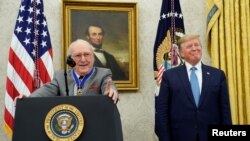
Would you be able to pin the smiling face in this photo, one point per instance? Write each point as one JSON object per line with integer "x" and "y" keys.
{"x": 82, "y": 53}
{"x": 190, "y": 50}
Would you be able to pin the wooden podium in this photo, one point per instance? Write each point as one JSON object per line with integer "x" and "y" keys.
{"x": 38, "y": 119}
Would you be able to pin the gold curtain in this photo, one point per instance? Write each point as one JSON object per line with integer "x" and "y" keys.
{"x": 228, "y": 43}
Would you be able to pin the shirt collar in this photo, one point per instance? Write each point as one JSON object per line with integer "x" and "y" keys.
{"x": 189, "y": 66}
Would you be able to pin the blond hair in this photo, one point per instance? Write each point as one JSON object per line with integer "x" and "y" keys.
{"x": 186, "y": 38}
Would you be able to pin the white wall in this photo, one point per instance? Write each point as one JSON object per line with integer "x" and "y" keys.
{"x": 136, "y": 108}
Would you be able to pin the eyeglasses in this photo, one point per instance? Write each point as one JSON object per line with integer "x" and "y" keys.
{"x": 78, "y": 57}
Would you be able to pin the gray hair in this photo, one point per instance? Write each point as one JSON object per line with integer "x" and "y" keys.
{"x": 82, "y": 42}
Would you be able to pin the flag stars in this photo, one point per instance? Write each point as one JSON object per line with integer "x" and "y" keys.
{"x": 44, "y": 23}
{"x": 26, "y": 41}
{"x": 22, "y": 8}
{"x": 18, "y": 29}
{"x": 36, "y": 32}
{"x": 29, "y": 20}
{"x": 44, "y": 34}
{"x": 172, "y": 14}
{"x": 38, "y": 2}
{"x": 20, "y": 19}
{"x": 44, "y": 44}
{"x": 168, "y": 14}
{"x": 30, "y": 10}
{"x": 37, "y": 22}
{"x": 163, "y": 16}
{"x": 38, "y": 12}
{"x": 33, "y": 53}
{"x": 28, "y": 31}
{"x": 34, "y": 42}
{"x": 176, "y": 14}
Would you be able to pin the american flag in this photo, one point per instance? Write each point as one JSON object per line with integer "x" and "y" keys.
{"x": 166, "y": 55}
{"x": 30, "y": 63}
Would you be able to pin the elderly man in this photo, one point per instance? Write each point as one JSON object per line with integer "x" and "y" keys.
{"x": 82, "y": 79}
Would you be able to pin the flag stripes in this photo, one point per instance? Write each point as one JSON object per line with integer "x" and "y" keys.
{"x": 30, "y": 57}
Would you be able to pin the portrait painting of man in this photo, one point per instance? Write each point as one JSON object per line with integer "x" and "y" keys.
{"x": 108, "y": 34}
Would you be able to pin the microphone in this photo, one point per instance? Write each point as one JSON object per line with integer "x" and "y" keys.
{"x": 71, "y": 63}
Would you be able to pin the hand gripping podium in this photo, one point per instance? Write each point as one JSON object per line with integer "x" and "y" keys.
{"x": 80, "y": 118}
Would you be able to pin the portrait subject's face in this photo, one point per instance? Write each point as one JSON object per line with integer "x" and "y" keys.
{"x": 191, "y": 51}
{"x": 95, "y": 36}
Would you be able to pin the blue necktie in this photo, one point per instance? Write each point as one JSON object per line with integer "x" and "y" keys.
{"x": 195, "y": 85}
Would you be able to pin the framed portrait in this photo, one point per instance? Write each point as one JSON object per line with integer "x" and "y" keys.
{"x": 112, "y": 29}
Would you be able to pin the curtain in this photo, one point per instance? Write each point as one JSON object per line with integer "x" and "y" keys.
{"x": 228, "y": 44}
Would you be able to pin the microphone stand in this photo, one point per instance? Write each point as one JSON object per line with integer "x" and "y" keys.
{"x": 66, "y": 80}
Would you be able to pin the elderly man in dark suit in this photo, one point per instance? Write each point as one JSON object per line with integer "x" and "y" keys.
{"x": 83, "y": 78}
{"x": 184, "y": 112}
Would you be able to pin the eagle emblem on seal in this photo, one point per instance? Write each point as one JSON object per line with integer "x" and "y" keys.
{"x": 64, "y": 122}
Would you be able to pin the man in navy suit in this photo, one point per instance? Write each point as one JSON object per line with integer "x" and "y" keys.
{"x": 181, "y": 119}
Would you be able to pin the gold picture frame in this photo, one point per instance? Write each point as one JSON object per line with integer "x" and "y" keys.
{"x": 120, "y": 23}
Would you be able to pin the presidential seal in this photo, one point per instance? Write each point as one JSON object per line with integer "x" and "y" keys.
{"x": 64, "y": 122}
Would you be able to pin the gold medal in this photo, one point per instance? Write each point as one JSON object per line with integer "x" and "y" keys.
{"x": 79, "y": 91}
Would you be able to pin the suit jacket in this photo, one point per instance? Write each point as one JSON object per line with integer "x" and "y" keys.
{"x": 180, "y": 119}
{"x": 94, "y": 85}
{"x": 118, "y": 73}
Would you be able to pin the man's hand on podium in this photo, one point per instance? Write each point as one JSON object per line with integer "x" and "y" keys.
{"x": 111, "y": 92}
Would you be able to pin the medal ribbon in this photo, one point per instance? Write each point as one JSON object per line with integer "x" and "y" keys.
{"x": 80, "y": 83}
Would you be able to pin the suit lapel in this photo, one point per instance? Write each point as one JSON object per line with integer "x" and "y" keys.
{"x": 71, "y": 84}
{"x": 185, "y": 81}
{"x": 205, "y": 80}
